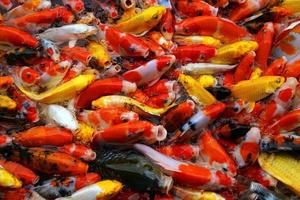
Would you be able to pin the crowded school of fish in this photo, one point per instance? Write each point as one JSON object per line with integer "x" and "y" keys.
{"x": 149, "y": 99}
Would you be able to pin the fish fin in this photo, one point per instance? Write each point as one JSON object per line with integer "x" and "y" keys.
{"x": 249, "y": 106}
{"x": 72, "y": 43}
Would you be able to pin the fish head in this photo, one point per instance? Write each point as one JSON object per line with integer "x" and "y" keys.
{"x": 276, "y": 82}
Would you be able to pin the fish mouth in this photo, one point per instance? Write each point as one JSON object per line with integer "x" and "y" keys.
{"x": 160, "y": 133}
{"x": 166, "y": 183}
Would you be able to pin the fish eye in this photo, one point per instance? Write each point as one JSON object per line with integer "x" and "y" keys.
{"x": 155, "y": 16}
{"x": 278, "y": 80}
{"x": 185, "y": 30}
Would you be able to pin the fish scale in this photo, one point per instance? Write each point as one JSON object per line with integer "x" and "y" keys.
{"x": 284, "y": 167}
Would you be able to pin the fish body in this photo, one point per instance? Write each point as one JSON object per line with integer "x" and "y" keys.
{"x": 197, "y": 69}
{"x": 229, "y": 54}
{"x": 125, "y": 165}
{"x": 142, "y": 22}
{"x": 68, "y": 32}
{"x": 196, "y": 91}
{"x": 264, "y": 85}
{"x": 100, "y": 190}
{"x": 122, "y": 101}
{"x": 43, "y": 135}
{"x": 219, "y": 28}
{"x": 283, "y": 167}
{"x": 151, "y": 71}
{"x": 60, "y": 187}
{"x": 62, "y": 117}
{"x": 63, "y": 92}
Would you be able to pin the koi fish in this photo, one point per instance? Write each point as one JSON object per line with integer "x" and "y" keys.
{"x": 61, "y": 116}
{"x": 68, "y": 33}
{"x": 59, "y": 187}
{"x": 199, "y": 120}
{"x": 130, "y": 132}
{"x": 26, "y": 108}
{"x": 16, "y": 37}
{"x": 151, "y": 71}
{"x": 197, "y": 69}
{"x": 158, "y": 38}
{"x": 101, "y": 88}
{"x": 50, "y": 49}
{"x": 197, "y": 39}
{"x": 247, "y": 8}
{"x": 285, "y": 123}
{"x": 43, "y": 135}
{"x": 52, "y": 74}
{"x": 63, "y": 92}
{"x": 163, "y": 86}
{"x": 281, "y": 142}
{"x": 194, "y": 8}
{"x": 123, "y": 43}
{"x": 26, "y": 75}
{"x": 265, "y": 86}
{"x": 283, "y": 167}
{"x": 42, "y": 19}
{"x": 122, "y": 101}
{"x": 123, "y": 165}
{"x": 218, "y": 28}
{"x": 247, "y": 151}
{"x": 177, "y": 116}
{"x": 106, "y": 117}
{"x": 79, "y": 151}
{"x": 212, "y": 152}
{"x": 142, "y": 22}
{"x": 194, "y": 53}
{"x": 26, "y": 8}
{"x": 244, "y": 68}
{"x": 49, "y": 161}
{"x": 229, "y": 54}
{"x": 196, "y": 91}
{"x": 167, "y": 23}
{"x": 185, "y": 173}
{"x": 180, "y": 151}
{"x": 265, "y": 39}
{"x": 22, "y": 173}
{"x": 100, "y": 190}
{"x": 193, "y": 194}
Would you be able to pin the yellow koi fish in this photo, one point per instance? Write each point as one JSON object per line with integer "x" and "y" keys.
{"x": 123, "y": 101}
{"x": 63, "y": 92}
{"x": 85, "y": 134}
{"x": 257, "y": 72}
{"x": 282, "y": 166}
{"x": 142, "y": 22}
{"x": 291, "y": 5}
{"x": 256, "y": 89}
{"x": 207, "y": 81}
{"x": 229, "y": 54}
{"x": 194, "y": 194}
{"x": 7, "y": 103}
{"x": 196, "y": 90}
{"x": 8, "y": 180}
{"x": 100, "y": 53}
